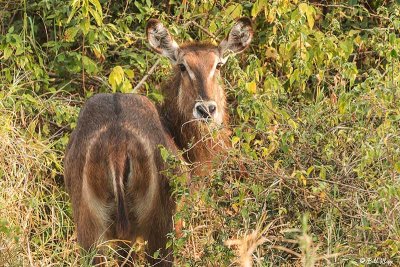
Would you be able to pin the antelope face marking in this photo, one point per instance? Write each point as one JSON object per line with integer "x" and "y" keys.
{"x": 200, "y": 95}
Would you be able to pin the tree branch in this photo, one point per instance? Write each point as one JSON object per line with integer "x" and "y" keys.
{"x": 141, "y": 82}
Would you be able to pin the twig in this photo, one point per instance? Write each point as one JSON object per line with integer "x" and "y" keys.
{"x": 286, "y": 250}
{"x": 341, "y": 184}
{"x": 183, "y": 6}
{"x": 351, "y": 7}
{"x": 341, "y": 210}
{"x": 83, "y": 65}
{"x": 203, "y": 29}
{"x": 141, "y": 82}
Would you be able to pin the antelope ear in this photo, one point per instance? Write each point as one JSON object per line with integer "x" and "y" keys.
{"x": 161, "y": 40}
{"x": 239, "y": 37}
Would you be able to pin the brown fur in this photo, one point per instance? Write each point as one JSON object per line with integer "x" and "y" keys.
{"x": 113, "y": 167}
{"x": 116, "y": 143}
{"x": 177, "y": 116}
{"x": 194, "y": 95}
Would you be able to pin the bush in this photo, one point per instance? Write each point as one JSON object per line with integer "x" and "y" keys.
{"x": 315, "y": 117}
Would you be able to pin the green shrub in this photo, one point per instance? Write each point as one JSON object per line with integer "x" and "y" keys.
{"x": 314, "y": 113}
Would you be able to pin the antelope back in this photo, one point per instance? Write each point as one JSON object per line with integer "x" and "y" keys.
{"x": 113, "y": 172}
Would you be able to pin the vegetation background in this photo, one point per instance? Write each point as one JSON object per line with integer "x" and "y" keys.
{"x": 315, "y": 116}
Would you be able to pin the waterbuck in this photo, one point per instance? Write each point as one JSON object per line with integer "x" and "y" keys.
{"x": 113, "y": 174}
{"x": 113, "y": 166}
{"x": 194, "y": 109}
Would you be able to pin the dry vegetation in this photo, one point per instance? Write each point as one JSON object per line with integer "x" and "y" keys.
{"x": 315, "y": 116}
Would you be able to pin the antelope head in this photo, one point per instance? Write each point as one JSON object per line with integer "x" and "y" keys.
{"x": 199, "y": 91}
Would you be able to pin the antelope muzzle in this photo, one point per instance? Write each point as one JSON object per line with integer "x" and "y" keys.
{"x": 205, "y": 110}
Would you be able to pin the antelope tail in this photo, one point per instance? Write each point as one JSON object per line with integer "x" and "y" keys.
{"x": 120, "y": 184}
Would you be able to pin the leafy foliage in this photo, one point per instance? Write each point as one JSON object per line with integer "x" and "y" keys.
{"x": 315, "y": 117}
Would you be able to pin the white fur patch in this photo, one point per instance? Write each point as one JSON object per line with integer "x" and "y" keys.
{"x": 180, "y": 100}
{"x": 144, "y": 206}
{"x": 98, "y": 209}
{"x": 114, "y": 179}
{"x": 190, "y": 72}
{"x": 212, "y": 72}
{"x": 218, "y": 117}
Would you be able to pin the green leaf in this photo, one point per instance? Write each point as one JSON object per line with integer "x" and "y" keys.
{"x": 129, "y": 73}
{"x": 234, "y": 11}
{"x": 7, "y": 74}
{"x": 164, "y": 153}
{"x": 235, "y": 140}
{"x": 97, "y": 17}
{"x": 85, "y": 26}
{"x": 257, "y": 7}
{"x": 156, "y": 254}
{"x": 309, "y": 170}
{"x": 347, "y": 47}
{"x": 251, "y": 87}
{"x": 91, "y": 37}
{"x": 310, "y": 19}
{"x": 292, "y": 124}
{"x": 89, "y": 65}
{"x": 97, "y": 5}
{"x": 116, "y": 77}
{"x": 75, "y": 3}
{"x": 70, "y": 34}
{"x": 213, "y": 27}
{"x": 322, "y": 173}
{"x": 392, "y": 38}
{"x": 156, "y": 96}
{"x": 393, "y": 53}
{"x": 109, "y": 36}
{"x": 20, "y": 50}
{"x": 126, "y": 86}
{"x": 342, "y": 105}
{"x": 7, "y": 53}
{"x": 309, "y": 11}
{"x": 397, "y": 166}
{"x": 295, "y": 76}
{"x": 303, "y": 7}
{"x": 75, "y": 6}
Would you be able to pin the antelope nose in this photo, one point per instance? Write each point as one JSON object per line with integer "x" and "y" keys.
{"x": 212, "y": 108}
{"x": 205, "y": 109}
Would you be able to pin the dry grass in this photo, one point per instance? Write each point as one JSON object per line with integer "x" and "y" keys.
{"x": 226, "y": 221}
{"x": 322, "y": 153}
{"x": 34, "y": 208}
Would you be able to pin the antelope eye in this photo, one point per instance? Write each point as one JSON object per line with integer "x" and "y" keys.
{"x": 219, "y": 65}
{"x": 182, "y": 67}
